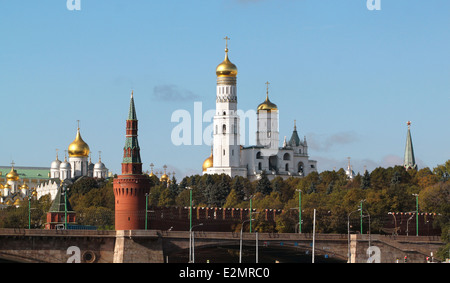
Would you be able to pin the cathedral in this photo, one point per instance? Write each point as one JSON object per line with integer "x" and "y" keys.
{"x": 15, "y": 190}
{"x": 229, "y": 157}
{"x": 78, "y": 164}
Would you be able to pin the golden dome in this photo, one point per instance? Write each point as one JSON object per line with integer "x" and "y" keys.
{"x": 78, "y": 148}
{"x": 208, "y": 163}
{"x": 164, "y": 178}
{"x": 12, "y": 176}
{"x": 267, "y": 105}
{"x": 226, "y": 68}
{"x": 24, "y": 186}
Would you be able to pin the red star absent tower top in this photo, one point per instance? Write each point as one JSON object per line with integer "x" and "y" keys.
{"x": 130, "y": 187}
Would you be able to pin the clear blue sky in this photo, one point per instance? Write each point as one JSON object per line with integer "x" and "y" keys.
{"x": 351, "y": 77}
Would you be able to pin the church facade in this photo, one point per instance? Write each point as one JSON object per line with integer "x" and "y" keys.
{"x": 229, "y": 157}
{"x": 78, "y": 164}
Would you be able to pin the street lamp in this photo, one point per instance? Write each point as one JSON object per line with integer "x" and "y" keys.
{"x": 64, "y": 189}
{"x": 240, "y": 245}
{"x": 251, "y": 197}
{"x": 348, "y": 234}
{"x": 29, "y": 212}
{"x": 146, "y": 209}
{"x": 190, "y": 207}
{"x": 395, "y": 222}
{"x": 417, "y": 213}
{"x": 192, "y": 256}
{"x": 299, "y": 211}
{"x": 361, "y": 215}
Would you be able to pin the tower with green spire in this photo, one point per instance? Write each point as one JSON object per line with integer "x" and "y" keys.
{"x": 131, "y": 188}
{"x": 409, "y": 161}
{"x": 131, "y": 163}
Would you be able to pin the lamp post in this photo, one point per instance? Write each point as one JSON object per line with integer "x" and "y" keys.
{"x": 190, "y": 207}
{"x": 190, "y": 223}
{"x": 146, "y": 209}
{"x": 417, "y": 213}
{"x": 192, "y": 257}
{"x": 251, "y": 197}
{"x": 348, "y": 234}
{"x": 299, "y": 211}
{"x": 29, "y": 212}
{"x": 65, "y": 190}
{"x": 395, "y": 222}
{"x": 314, "y": 235}
{"x": 361, "y": 214}
{"x": 240, "y": 244}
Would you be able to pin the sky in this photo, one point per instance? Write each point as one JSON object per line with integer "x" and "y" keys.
{"x": 351, "y": 77}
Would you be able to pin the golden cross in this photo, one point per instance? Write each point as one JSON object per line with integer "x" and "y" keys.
{"x": 226, "y": 41}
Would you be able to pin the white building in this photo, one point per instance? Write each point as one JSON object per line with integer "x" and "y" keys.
{"x": 229, "y": 157}
{"x": 79, "y": 164}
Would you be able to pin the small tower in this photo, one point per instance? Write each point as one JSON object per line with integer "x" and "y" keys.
{"x": 409, "y": 161}
{"x": 267, "y": 123}
{"x": 131, "y": 187}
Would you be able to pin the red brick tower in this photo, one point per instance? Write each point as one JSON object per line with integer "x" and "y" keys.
{"x": 130, "y": 187}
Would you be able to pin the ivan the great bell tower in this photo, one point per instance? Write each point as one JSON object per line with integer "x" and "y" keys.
{"x": 130, "y": 187}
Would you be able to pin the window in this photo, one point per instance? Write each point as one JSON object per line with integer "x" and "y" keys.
{"x": 286, "y": 156}
{"x": 224, "y": 129}
{"x": 286, "y": 167}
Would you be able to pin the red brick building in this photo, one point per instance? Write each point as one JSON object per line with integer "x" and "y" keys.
{"x": 56, "y": 217}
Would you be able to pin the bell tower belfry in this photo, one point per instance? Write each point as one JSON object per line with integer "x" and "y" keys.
{"x": 226, "y": 132}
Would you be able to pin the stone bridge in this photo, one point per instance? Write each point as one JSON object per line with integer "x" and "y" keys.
{"x": 59, "y": 246}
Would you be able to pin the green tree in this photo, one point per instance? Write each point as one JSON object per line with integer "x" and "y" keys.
{"x": 264, "y": 186}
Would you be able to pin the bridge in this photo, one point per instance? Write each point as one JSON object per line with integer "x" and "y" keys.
{"x": 156, "y": 246}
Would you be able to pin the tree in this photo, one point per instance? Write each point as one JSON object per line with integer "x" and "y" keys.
{"x": 365, "y": 182}
{"x": 237, "y": 185}
{"x": 264, "y": 186}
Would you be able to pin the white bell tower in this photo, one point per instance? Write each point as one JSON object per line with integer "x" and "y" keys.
{"x": 226, "y": 136}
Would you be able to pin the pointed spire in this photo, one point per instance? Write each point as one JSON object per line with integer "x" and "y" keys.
{"x": 295, "y": 140}
{"x": 409, "y": 160}
{"x": 132, "y": 111}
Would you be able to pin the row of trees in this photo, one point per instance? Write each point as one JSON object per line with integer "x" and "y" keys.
{"x": 329, "y": 192}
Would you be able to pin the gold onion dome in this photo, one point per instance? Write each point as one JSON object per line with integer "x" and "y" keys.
{"x": 226, "y": 68}
{"x": 208, "y": 163}
{"x": 164, "y": 178}
{"x": 78, "y": 148}
{"x": 267, "y": 104}
{"x": 12, "y": 176}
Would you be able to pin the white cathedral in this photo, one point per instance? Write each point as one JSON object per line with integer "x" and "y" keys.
{"x": 229, "y": 157}
{"x": 79, "y": 164}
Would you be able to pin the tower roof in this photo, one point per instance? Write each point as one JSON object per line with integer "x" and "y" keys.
{"x": 58, "y": 204}
{"x": 267, "y": 104}
{"x": 132, "y": 111}
{"x": 79, "y": 147}
{"x": 409, "y": 160}
{"x": 226, "y": 68}
{"x": 131, "y": 149}
{"x": 295, "y": 140}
